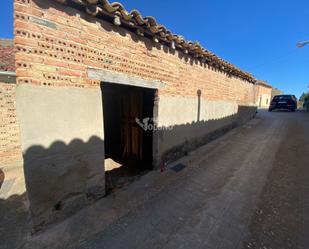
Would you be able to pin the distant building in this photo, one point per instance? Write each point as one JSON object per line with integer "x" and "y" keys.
{"x": 10, "y": 146}
{"x": 9, "y": 142}
{"x": 276, "y": 91}
{"x": 263, "y": 94}
{"x": 7, "y": 61}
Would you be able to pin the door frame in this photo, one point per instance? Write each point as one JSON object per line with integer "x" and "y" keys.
{"x": 124, "y": 79}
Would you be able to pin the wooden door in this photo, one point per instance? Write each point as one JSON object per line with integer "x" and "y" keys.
{"x": 132, "y": 134}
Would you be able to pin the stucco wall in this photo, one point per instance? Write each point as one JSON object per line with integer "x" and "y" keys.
{"x": 186, "y": 122}
{"x": 186, "y": 110}
{"x": 63, "y": 146}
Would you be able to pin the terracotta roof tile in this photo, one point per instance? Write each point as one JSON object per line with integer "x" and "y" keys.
{"x": 263, "y": 83}
{"x": 148, "y": 26}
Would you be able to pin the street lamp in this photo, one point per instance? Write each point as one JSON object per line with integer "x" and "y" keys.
{"x": 302, "y": 44}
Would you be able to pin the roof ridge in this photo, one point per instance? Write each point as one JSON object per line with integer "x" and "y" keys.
{"x": 263, "y": 83}
{"x": 148, "y": 26}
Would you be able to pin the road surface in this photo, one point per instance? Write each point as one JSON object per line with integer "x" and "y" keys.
{"x": 247, "y": 189}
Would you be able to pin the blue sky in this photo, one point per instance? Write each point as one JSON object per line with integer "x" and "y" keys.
{"x": 258, "y": 36}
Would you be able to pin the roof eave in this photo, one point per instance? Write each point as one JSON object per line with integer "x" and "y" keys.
{"x": 145, "y": 26}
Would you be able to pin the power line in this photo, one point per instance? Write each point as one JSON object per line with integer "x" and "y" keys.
{"x": 275, "y": 60}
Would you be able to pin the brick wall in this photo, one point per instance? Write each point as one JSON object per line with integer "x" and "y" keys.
{"x": 60, "y": 108}
{"x": 58, "y": 51}
{"x": 11, "y": 163}
{"x": 9, "y": 132}
{"x": 7, "y": 60}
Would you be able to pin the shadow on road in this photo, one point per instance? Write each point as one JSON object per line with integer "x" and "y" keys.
{"x": 13, "y": 221}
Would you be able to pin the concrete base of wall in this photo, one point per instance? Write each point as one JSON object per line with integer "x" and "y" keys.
{"x": 193, "y": 123}
{"x": 63, "y": 150}
{"x": 190, "y": 137}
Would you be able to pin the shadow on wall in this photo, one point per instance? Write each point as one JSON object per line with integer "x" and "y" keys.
{"x": 179, "y": 140}
{"x": 62, "y": 179}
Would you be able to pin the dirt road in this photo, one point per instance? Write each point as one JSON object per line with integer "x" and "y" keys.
{"x": 281, "y": 219}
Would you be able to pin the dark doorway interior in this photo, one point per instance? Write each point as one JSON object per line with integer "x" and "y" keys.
{"x": 128, "y": 147}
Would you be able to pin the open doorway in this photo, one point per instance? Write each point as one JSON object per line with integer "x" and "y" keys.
{"x": 128, "y": 147}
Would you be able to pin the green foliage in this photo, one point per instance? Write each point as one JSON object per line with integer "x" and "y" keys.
{"x": 304, "y": 97}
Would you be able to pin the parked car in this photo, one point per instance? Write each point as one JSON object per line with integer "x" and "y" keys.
{"x": 287, "y": 101}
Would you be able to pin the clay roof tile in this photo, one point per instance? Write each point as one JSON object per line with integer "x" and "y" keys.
{"x": 150, "y": 25}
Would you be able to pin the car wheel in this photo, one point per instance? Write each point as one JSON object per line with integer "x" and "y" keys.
{"x": 270, "y": 110}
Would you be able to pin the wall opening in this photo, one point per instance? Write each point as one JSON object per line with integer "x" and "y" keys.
{"x": 128, "y": 142}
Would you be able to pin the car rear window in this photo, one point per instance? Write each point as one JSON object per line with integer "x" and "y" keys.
{"x": 283, "y": 97}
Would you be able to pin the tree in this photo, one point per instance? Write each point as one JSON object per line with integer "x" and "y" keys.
{"x": 304, "y": 97}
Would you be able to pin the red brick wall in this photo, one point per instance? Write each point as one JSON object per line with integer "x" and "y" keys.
{"x": 55, "y": 45}
{"x": 9, "y": 130}
{"x": 59, "y": 55}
